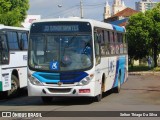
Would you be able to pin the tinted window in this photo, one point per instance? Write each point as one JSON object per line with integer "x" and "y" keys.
{"x": 24, "y": 37}
{"x": 12, "y": 40}
{"x": 25, "y": 40}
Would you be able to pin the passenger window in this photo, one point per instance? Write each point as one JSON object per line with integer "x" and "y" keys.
{"x": 97, "y": 48}
{"x": 25, "y": 40}
{"x": 13, "y": 40}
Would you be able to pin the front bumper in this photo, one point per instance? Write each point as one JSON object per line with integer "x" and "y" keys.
{"x": 63, "y": 91}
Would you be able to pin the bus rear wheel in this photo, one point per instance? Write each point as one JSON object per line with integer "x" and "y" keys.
{"x": 14, "y": 87}
{"x": 46, "y": 99}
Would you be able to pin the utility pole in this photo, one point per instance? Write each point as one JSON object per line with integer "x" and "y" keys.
{"x": 81, "y": 9}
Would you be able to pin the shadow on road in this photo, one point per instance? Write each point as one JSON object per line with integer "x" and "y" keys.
{"x": 23, "y": 100}
{"x": 21, "y": 93}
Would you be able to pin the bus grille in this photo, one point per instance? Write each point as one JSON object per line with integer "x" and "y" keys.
{"x": 67, "y": 83}
{"x": 55, "y": 90}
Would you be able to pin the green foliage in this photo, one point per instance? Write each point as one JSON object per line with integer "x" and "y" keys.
{"x": 139, "y": 68}
{"x": 13, "y": 12}
{"x": 137, "y": 36}
{"x": 156, "y": 69}
{"x": 143, "y": 33}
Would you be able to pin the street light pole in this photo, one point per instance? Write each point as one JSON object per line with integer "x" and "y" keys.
{"x": 59, "y": 6}
{"x": 81, "y": 9}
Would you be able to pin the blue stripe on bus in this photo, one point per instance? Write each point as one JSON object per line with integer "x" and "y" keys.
{"x": 118, "y": 28}
{"x": 68, "y": 77}
{"x": 120, "y": 66}
{"x": 47, "y": 77}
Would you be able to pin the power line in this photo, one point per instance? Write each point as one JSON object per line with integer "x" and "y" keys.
{"x": 95, "y": 4}
{"x": 85, "y": 6}
{"x": 62, "y": 11}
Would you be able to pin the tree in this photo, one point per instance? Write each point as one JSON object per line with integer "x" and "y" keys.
{"x": 13, "y": 12}
{"x": 137, "y": 36}
{"x": 154, "y": 35}
{"x": 143, "y": 33}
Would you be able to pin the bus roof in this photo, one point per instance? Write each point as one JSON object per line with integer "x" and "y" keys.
{"x": 13, "y": 28}
{"x": 92, "y": 22}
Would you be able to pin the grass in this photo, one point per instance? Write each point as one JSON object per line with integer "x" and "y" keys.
{"x": 142, "y": 68}
{"x": 156, "y": 69}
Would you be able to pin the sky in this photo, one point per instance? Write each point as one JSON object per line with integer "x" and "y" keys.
{"x": 92, "y": 9}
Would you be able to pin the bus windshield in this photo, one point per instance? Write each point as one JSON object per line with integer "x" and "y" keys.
{"x": 60, "y": 52}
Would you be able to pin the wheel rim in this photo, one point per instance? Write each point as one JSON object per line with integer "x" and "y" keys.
{"x": 14, "y": 87}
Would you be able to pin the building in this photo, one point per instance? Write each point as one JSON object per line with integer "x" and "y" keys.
{"x": 118, "y": 5}
{"x": 144, "y": 5}
{"x": 121, "y": 17}
{"x": 107, "y": 11}
{"x": 29, "y": 19}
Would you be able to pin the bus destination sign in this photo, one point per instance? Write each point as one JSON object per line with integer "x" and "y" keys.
{"x": 61, "y": 28}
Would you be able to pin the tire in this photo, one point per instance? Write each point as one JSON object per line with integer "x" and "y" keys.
{"x": 99, "y": 97}
{"x": 118, "y": 88}
{"x": 14, "y": 87}
{"x": 46, "y": 99}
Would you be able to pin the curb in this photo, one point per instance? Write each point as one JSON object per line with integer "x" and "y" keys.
{"x": 144, "y": 73}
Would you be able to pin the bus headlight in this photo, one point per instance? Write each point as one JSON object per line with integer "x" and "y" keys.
{"x": 34, "y": 81}
{"x": 86, "y": 80}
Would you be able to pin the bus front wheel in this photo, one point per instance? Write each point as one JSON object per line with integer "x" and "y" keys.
{"x": 14, "y": 87}
{"x": 99, "y": 96}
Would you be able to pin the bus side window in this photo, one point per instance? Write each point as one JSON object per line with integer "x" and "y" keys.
{"x": 124, "y": 43}
{"x": 102, "y": 44}
{"x": 13, "y": 40}
{"x": 4, "y": 52}
{"x": 97, "y": 47}
{"x": 116, "y": 43}
{"x": 120, "y": 41}
{"x": 112, "y": 45}
{"x": 23, "y": 40}
{"x": 107, "y": 41}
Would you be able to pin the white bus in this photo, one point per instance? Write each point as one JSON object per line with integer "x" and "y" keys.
{"x": 13, "y": 59}
{"x": 75, "y": 57}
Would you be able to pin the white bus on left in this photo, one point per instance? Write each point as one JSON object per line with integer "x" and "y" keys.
{"x": 13, "y": 59}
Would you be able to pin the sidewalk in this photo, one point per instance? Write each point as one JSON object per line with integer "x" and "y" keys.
{"x": 144, "y": 73}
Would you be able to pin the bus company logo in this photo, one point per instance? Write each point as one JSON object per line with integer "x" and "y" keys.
{"x": 6, "y": 114}
{"x": 111, "y": 66}
{"x": 59, "y": 83}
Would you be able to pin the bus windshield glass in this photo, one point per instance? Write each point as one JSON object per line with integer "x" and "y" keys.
{"x": 61, "y": 52}
{"x": 53, "y": 50}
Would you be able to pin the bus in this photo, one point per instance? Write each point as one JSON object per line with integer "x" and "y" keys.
{"x": 76, "y": 58}
{"x": 13, "y": 59}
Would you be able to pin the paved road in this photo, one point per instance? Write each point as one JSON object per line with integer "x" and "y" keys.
{"x": 139, "y": 93}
